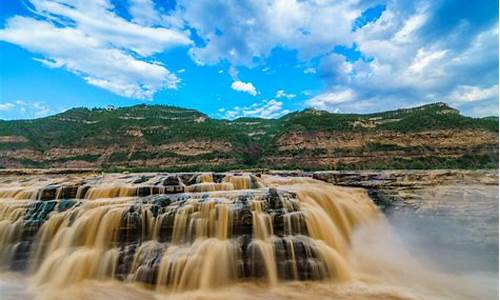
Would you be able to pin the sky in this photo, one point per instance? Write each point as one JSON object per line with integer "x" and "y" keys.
{"x": 248, "y": 58}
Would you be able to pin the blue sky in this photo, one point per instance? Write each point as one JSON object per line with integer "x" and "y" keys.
{"x": 248, "y": 58}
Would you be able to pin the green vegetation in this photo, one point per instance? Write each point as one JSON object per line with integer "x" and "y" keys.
{"x": 251, "y": 140}
{"x": 427, "y": 117}
{"x": 467, "y": 161}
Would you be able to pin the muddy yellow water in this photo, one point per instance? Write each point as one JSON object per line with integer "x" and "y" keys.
{"x": 208, "y": 236}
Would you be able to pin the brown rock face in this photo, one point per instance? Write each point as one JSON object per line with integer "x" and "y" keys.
{"x": 13, "y": 139}
{"x": 355, "y": 140}
{"x": 298, "y": 149}
{"x": 326, "y": 149}
{"x": 164, "y": 137}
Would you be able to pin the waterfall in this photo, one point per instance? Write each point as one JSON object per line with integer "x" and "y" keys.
{"x": 179, "y": 232}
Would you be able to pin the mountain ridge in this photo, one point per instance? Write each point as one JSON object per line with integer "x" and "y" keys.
{"x": 170, "y": 137}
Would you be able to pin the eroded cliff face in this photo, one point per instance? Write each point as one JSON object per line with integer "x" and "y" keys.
{"x": 162, "y": 137}
{"x": 324, "y": 149}
{"x": 136, "y": 154}
{"x": 353, "y": 140}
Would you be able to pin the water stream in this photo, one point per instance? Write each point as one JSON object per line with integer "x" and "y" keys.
{"x": 220, "y": 236}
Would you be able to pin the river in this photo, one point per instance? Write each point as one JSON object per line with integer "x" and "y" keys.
{"x": 317, "y": 241}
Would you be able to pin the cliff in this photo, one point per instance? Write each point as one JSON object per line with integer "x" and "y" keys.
{"x": 171, "y": 138}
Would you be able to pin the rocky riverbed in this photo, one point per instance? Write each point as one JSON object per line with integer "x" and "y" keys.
{"x": 362, "y": 178}
{"x": 386, "y": 187}
{"x": 82, "y": 234}
{"x": 398, "y": 188}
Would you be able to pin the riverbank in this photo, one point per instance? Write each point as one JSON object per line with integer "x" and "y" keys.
{"x": 361, "y": 178}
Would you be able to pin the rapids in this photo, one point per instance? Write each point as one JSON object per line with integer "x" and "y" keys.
{"x": 205, "y": 236}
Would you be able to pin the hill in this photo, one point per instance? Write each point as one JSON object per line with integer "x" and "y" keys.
{"x": 172, "y": 138}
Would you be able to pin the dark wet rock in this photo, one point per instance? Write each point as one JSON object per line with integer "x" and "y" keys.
{"x": 68, "y": 191}
{"x": 254, "y": 180}
{"x": 242, "y": 223}
{"x": 21, "y": 253}
{"x": 406, "y": 178}
{"x": 131, "y": 227}
{"x": 83, "y": 190}
{"x": 40, "y": 210}
{"x": 66, "y": 204}
{"x": 47, "y": 193}
{"x": 218, "y": 177}
{"x": 165, "y": 226}
{"x": 384, "y": 198}
{"x": 143, "y": 191}
{"x": 254, "y": 261}
{"x": 141, "y": 179}
{"x": 306, "y": 266}
{"x": 148, "y": 265}
{"x": 125, "y": 260}
{"x": 273, "y": 199}
{"x": 190, "y": 179}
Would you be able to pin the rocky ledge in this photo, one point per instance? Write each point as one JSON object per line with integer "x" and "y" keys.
{"x": 362, "y": 178}
{"x": 406, "y": 178}
{"x": 388, "y": 188}
{"x": 399, "y": 188}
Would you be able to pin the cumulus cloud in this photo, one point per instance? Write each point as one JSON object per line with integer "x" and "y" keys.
{"x": 310, "y": 71}
{"x": 143, "y": 12}
{"x": 330, "y": 100}
{"x": 242, "y": 31}
{"x": 408, "y": 67}
{"x": 466, "y": 93}
{"x": 405, "y": 60}
{"x": 7, "y": 106}
{"x": 263, "y": 109}
{"x": 88, "y": 39}
{"x": 414, "y": 52}
{"x": 283, "y": 94}
{"x": 426, "y": 58}
{"x": 483, "y": 108}
{"x": 21, "y": 109}
{"x": 246, "y": 87}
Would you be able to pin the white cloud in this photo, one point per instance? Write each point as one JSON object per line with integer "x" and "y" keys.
{"x": 466, "y": 93}
{"x": 22, "y": 109}
{"x": 144, "y": 12}
{"x": 33, "y": 109}
{"x": 6, "y": 106}
{"x": 425, "y": 58}
{"x": 263, "y": 109}
{"x": 310, "y": 71}
{"x": 328, "y": 101}
{"x": 484, "y": 109}
{"x": 93, "y": 42}
{"x": 233, "y": 72}
{"x": 405, "y": 34}
{"x": 241, "y": 31}
{"x": 246, "y": 87}
{"x": 97, "y": 20}
{"x": 407, "y": 66}
{"x": 406, "y": 58}
{"x": 283, "y": 94}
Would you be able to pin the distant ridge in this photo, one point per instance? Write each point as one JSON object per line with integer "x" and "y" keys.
{"x": 174, "y": 138}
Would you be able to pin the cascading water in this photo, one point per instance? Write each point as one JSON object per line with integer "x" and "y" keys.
{"x": 181, "y": 233}
{"x": 209, "y": 237}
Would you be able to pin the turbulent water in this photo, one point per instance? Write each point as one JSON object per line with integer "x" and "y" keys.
{"x": 227, "y": 236}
